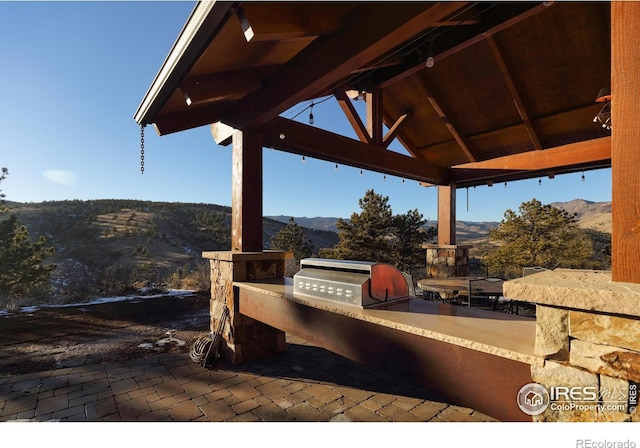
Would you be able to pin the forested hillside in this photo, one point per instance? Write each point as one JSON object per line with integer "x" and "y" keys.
{"x": 106, "y": 246}
{"x": 115, "y": 246}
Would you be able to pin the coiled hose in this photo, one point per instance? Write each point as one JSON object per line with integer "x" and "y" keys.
{"x": 207, "y": 347}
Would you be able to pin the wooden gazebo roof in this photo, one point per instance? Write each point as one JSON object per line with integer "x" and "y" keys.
{"x": 511, "y": 93}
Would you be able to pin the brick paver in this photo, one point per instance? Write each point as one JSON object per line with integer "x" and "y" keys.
{"x": 305, "y": 383}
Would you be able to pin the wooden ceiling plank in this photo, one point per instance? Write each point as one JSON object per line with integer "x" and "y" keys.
{"x": 298, "y": 138}
{"x": 513, "y": 90}
{"x": 352, "y": 116}
{"x": 320, "y": 65}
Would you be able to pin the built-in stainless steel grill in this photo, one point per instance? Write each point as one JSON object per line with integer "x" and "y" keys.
{"x": 361, "y": 283}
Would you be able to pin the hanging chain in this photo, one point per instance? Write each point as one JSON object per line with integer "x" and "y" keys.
{"x": 142, "y": 149}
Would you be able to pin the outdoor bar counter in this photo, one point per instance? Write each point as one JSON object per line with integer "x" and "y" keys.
{"x": 469, "y": 357}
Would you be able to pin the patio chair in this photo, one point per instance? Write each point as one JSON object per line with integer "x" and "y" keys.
{"x": 532, "y": 270}
{"x": 485, "y": 291}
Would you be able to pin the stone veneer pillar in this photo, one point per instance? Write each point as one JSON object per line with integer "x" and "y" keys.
{"x": 588, "y": 331}
{"x": 244, "y": 339}
{"x": 444, "y": 260}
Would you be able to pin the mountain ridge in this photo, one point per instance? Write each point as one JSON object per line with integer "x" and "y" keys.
{"x": 589, "y": 214}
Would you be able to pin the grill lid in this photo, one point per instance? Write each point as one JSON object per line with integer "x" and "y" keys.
{"x": 361, "y": 283}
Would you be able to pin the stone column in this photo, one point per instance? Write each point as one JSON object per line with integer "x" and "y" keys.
{"x": 588, "y": 331}
{"x": 244, "y": 339}
{"x": 445, "y": 260}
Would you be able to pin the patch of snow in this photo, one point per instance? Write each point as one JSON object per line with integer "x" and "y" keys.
{"x": 178, "y": 293}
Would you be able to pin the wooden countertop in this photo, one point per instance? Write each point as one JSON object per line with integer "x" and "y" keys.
{"x": 496, "y": 333}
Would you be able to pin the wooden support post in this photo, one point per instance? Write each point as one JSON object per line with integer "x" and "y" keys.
{"x": 447, "y": 214}
{"x": 625, "y": 153}
{"x": 374, "y": 116}
{"x": 246, "y": 205}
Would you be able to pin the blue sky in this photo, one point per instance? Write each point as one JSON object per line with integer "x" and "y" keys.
{"x": 72, "y": 75}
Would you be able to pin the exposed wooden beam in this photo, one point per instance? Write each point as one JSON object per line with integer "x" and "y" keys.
{"x": 191, "y": 118}
{"x": 373, "y": 30}
{"x": 223, "y": 86}
{"x": 262, "y": 21}
{"x": 298, "y": 138}
{"x": 625, "y": 91}
{"x": 587, "y": 154}
{"x": 451, "y": 126}
{"x": 352, "y": 116}
{"x": 374, "y": 116}
{"x": 500, "y": 18}
{"x": 513, "y": 90}
{"x": 221, "y": 133}
{"x": 394, "y": 129}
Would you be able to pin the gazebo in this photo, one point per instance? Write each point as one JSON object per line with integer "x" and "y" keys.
{"x": 477, "y": 93}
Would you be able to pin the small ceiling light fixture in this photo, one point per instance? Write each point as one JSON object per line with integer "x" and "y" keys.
{"x": 336, "y": 167}
{"x": 583, "y": 178}
{"x": 282, "y": 136}
{"x": 604, "y": 116}
{"x": 187, "y": 98}
{"x": 430, "y": 59}
{"x": 539, "y": 181}
{"x": 311, "y": 120}
{"x": 304, "y": 160}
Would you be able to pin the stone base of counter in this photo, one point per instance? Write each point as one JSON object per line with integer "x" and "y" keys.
{"x": 244, "y": 339}
{"x": 588, "y": 330}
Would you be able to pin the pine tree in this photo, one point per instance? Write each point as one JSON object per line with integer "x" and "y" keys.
{"x": 21, "y": 268}
{"x": 410, "y": 235}
{"x": 376, "y": 234}
{"x": 539, "y": 235}
{"x": 291, "y": 238}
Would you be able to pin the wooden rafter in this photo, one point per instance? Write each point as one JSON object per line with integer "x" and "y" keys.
{"x": 466, "y": 37}
{"x": 374, "y": 116}
{"x": 446, "y": 119}
{"x": 387, "y": 27}
{"x": 352, "y": 116}
{"x": 291, "y": 136}
{"x": 191, "y": 118}
{"x": 513, "y": 90}
{"x": 394, "y": 129}
{"x": 222, "y": 86}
